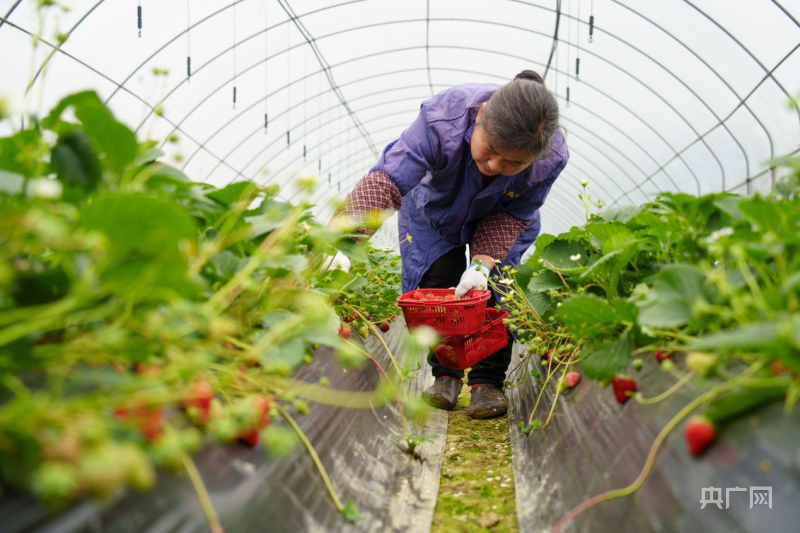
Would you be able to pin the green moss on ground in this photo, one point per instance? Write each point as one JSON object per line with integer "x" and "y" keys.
{"x": 477, "y": 478}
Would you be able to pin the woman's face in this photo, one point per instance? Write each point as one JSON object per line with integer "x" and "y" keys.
{"x": 492, "y": 160}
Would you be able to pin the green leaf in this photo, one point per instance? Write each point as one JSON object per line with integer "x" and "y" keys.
{"x": 669, "y": 301}
{"x": 764, "y": 214}
{"x": 738, "y": 401}
{"x": 226, "y": 264}
{"x": 541, "y": 303}
{"x": 232, "y": 193}
{"x": 78, "y": 101}
{"x": 287, "y": 263}
{"x": 604, "y": 230}
{"x": 148, "y": 153}
{"x": 622, "y": 241}
{"x": 350, "y": 512}
{"x": 140, "y": 223}
{"x": 523, "y": 274}
{"x": 23, "y": 153}
{"x": 114, "y": 139}
{"x": 168, "y": 173}
{"x": 558, "y": 256}
{"x": 262, "y": 224}
{"x": 285, "y": 358}
{"x": 75, "y": 161}
{"x": 620, "y": 214}
{"x": 587, "y": 315}
{"x": 545, "y": 281}
{"x": 747, "y": 337}
{"x": 607, "y": 360}
{"x": 146, "y": 280}
{"x": 730, "y": 205}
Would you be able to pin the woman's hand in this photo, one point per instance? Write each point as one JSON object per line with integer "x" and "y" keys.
{"x": 475, "y": 277}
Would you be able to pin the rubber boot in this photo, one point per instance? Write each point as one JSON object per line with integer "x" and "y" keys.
{"x": 443, "y": 394}
{"x": 487, "y": 402}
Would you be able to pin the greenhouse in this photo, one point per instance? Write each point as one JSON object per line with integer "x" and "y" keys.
{"x": 382, "y": 266}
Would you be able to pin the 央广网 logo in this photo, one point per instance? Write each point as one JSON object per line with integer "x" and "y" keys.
{"x": 713, "y": 496}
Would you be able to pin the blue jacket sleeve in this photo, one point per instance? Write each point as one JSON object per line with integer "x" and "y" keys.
{"x": 408, "y": 159}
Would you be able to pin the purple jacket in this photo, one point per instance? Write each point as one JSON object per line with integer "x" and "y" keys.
{"x": 442, "y": 188}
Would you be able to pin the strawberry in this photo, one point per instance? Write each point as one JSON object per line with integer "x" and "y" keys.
{"x": 418, "y": 295}
{"x": 701, "y": 363}
{"x": 573, "y": 378}
{"x": 250, "y": 437}
{"x": 344, "y": 332}
{"x": 547, "y": 355}
{"x": 363, "y": 331}
{"x": 777, "y": 367}
{"x": 394, "y": 317}
{"x": 699, "y": 433}
{"x": 663, "y": 355}
{"x": 622, "y": 386}
{"x": 430, "y": 297}
{"x": 148, "y": 419}
{"x": 199, "y": 397}
{"x": 384, "y": 327}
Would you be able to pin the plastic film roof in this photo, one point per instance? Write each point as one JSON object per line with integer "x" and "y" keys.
{"x": 688, "y": 96}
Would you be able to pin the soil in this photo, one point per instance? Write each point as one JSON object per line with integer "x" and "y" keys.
{"x": 477, "y": 481}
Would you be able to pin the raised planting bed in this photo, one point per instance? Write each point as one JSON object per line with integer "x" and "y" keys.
{"x": 253, "y": 492}
{"x": 594, "y": 445}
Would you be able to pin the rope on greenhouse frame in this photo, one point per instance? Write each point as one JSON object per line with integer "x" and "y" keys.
{"x": 428, "y": 44}
{"x": 188, "y": 42}
{"x": 139, "y": 17}
{"x": 555, "y": 41}
{"x": 578, "y": 40}
{"x": 266, "y": 60}
{"x": 327, "y": 69}
{"x": 233, "y": 5}
{"x": 591, "y": 23}
{"x": 569, "y": 43}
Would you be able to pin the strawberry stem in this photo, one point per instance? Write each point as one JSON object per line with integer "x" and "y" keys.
{"x": 667, "y": 393}
{"x": 335, "y": 497}
{"x": 202, "y": 494}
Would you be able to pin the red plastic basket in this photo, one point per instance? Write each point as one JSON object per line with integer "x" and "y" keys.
{"x": 463, "y": 351}
{"x": 457, "y": 317}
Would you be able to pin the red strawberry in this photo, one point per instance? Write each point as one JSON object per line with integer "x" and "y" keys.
{"x": 430, "y": 297}
{"x": 699, "y": 433}
{"x": 573, "y": 378}
{"x": 344, "y": 332}
{"x": 148, "y": 419}
{"x": 622, "y": 386}
{"x": 663, "y": 355}
{"x": 547, "y": 355}
{"x": 418, "y": 295}
{"x": 394, "y": 317}
{"x": 200, "y": 396}
{"x": 450, "y": 298}
{"x": 384, "y": 327}
{"x": 250, "y": 437}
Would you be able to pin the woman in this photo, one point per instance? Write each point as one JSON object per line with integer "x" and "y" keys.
{"x": 473, "y": 169}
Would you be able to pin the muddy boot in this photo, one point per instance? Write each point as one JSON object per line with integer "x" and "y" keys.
{"x": 443, "y": 394}
{"x": 487, "y": 402}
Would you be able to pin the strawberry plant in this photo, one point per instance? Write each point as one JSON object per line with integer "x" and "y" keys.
{"x": 709, "y": 285}
{"x": 141, "y": 312}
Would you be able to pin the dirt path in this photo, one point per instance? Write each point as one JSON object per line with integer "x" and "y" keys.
{"x": 476, "y": 491}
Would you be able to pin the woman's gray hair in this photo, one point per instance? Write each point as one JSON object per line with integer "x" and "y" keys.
{"x": 522, "y": 115}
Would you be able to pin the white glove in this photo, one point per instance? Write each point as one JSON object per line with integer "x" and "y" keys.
{"x": 475, "y": 277}
{"x": 340, "y": 261}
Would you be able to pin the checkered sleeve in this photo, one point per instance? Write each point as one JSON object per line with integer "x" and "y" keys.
{"x": 373, "y": 194}
{"x": 495, "y": 234}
